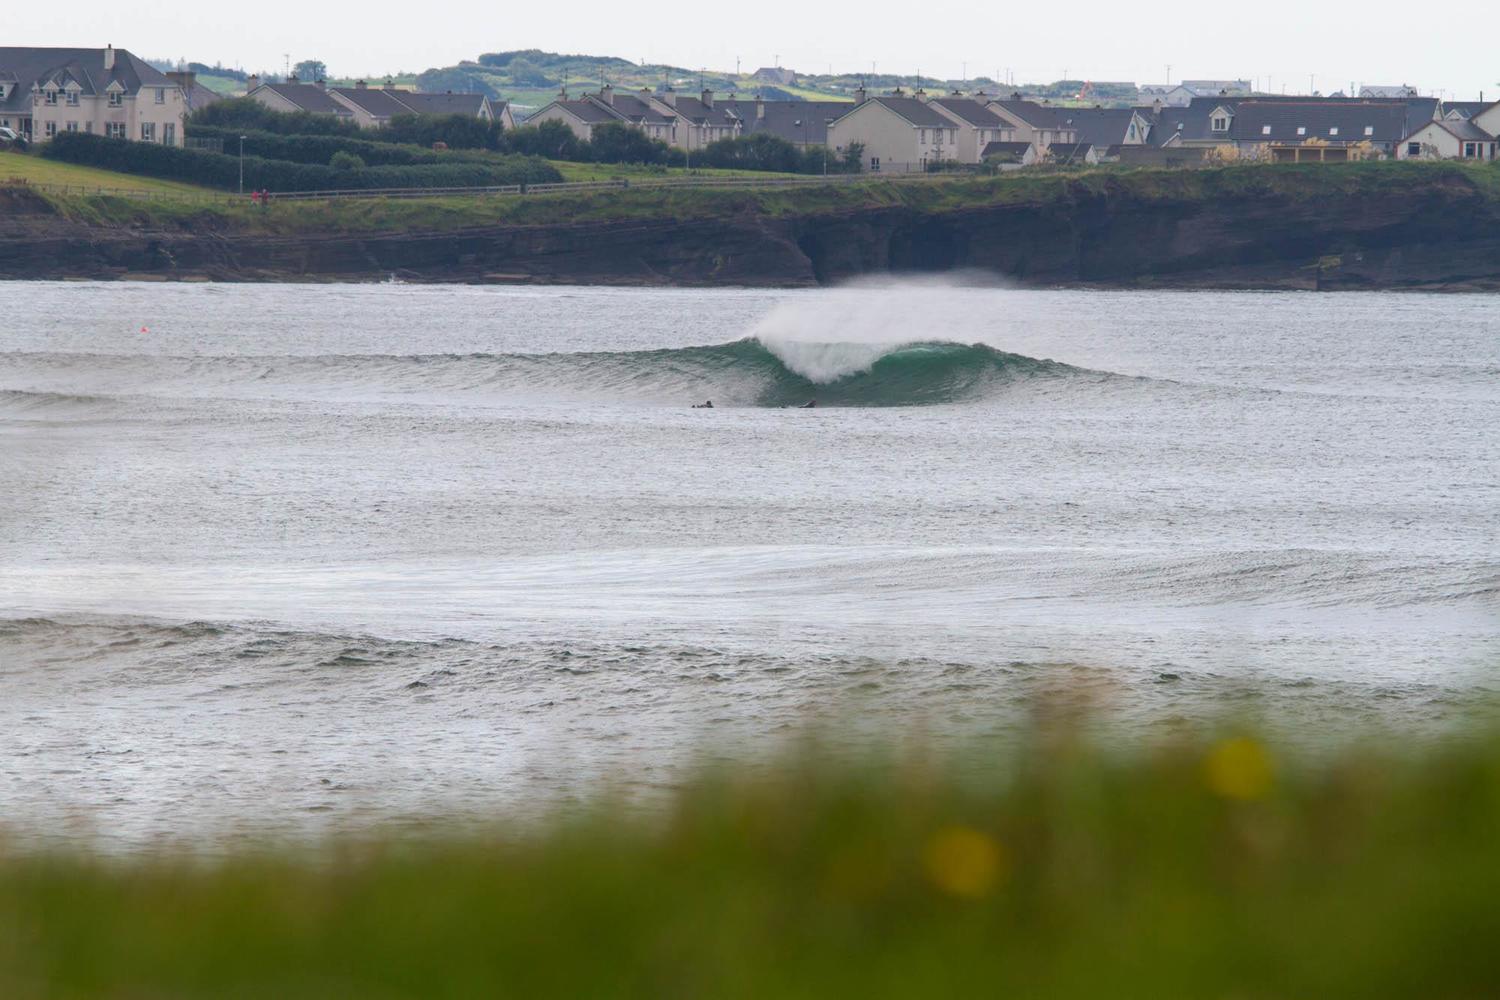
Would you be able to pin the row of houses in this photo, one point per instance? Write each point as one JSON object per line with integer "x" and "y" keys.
{"x": 373, "y": 107}
{"x": 901, "y": 132}
{"x": 112, "y": 92}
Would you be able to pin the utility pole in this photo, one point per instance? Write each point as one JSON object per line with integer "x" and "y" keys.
{"x": 242, "y": 164}
{"x": 1169, "y": 74}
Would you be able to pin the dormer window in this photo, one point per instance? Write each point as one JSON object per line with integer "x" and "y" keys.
{"x": 1301, "y": 129}
{"x": 1369, "y": 130}
{"x": 49, "y": 97}
{"x": 116, "y": 99}
{"x": 72, "y": 98}
{"x": 1333, "y": 130}
{"x": 1221, "y": 124}
{"x": 1265, "y": 130}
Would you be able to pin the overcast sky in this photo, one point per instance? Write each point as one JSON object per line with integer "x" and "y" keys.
{"x": 1277, "y": 43}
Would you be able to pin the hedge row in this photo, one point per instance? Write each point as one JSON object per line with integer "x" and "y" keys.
{"x": 320, "y": 148}
{"x": 223, "y": 170}
{"x": 246, "y": 114}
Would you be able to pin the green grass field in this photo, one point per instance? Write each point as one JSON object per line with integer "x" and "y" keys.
{"x": 34, "y": 169}
{"x": 1200, "y": 868}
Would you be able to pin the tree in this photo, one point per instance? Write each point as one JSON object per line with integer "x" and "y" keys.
{"x": 854, "y": 157}
{"x": 309, "y": 70}
{"x": 551, "y": 139}
{"x": 616, "y": 143}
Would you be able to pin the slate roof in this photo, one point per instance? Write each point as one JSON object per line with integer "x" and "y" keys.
{"x": 586, "y": 110}
{"x": 1032, "y": 113}
{"x": 915, "y": 111}
{"x": 1336, "y": 122}
{"x": 1005, "y": 149}
{"x": 373, "y": 101}
{"x": 27, "y": 66}
{"x": 794, "y": 121}
{"x": 976, "y": 113}
{"x": 1099, "y": 126}
{"x": 442, "y": 104}
{"x": 309, "y": 97}
{"x": 1465, "y": 109}
{"x": 1069, "y": 152}
{"x": 1460, "y": 128}
{"x": 695, "y": 111}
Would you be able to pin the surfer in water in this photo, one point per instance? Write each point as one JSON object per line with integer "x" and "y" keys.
{"x": 707, "y": 404}
{"x": 809, "y": 405}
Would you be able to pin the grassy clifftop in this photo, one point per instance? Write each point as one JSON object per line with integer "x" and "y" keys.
{"x": 1295, "y": 183}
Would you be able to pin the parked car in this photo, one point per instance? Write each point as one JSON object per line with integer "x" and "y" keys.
{"x": 11, "y": 139}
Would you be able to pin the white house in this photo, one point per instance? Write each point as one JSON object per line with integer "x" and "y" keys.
{"x": 1448, "y": 139}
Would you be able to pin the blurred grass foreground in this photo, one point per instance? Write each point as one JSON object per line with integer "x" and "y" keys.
{"x": 1208, "y": 869}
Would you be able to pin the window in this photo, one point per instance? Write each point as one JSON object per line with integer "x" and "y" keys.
{"x": 161, "y": 95}
{"x": 148, "y": 131}
{"x": 1221, "y": 124}
{"x": 72, "y": 98}
{"x": 1265, "y": 130}
{"x": 1301, "y": 129}
{"x": 50, "y": 130}
{"x": 923, "y": 136}
{"x": 116, "y": 99}
{"x": 1369, "y": 130}
{"x": 169, "y": 134}
{"x": 50, "y": 97}
{"x": 1333, "y": 130}
{"x": 115, "y": 130}
{"x": 875, "y": 164}
{"x": 1471, "y": 150}
{"x": 72, "y": 126}
{"x": 88, "y": 127}
{"x": 1413, "y": 149}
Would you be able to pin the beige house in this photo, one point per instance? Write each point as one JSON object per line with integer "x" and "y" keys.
{"x": 107, "y": 92}
{"x": 640, "y": 110}
{"x": 1448, "y": 139}
{"x": 1041, "y": 125}
{"x": 371, "y": 107}
{"x": 900, "y": 134}
{"x": 700, "y": 120}
{"x": 978, "y": 125}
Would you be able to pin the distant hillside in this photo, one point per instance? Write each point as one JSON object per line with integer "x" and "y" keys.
{"x": 531, "y": 78}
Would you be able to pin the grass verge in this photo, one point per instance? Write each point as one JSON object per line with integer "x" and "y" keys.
{"x": 1209, "y": 869}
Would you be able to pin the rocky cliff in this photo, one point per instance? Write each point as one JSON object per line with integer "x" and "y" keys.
{"x": 1444, "y": 233}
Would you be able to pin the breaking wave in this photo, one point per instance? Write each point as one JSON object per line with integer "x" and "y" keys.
{"x": 747, "y": 372}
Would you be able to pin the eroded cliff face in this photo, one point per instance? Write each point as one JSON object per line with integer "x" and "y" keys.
{"x": 1442, "y": 235}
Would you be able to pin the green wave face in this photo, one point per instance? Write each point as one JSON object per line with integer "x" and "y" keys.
{"x": 920, "y": 374}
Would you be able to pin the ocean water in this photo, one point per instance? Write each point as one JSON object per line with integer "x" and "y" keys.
{"x": 283, "y": 559}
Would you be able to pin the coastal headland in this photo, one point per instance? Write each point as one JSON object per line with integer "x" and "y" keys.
{"x": 1329, "y": 227}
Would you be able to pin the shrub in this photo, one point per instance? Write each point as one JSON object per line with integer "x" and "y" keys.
{"x": 222, "y": 171}
{"x": 551, "y": 139}
{"x": 342, "y": 161}
{"x": 617, "y": 143}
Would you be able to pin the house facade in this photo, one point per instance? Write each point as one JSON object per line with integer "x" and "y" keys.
{"x": 978, "y": 124}
{"x": 1448, "y": 139}
{"x": 370, "y": 107}
{"x": 899, "y": 133}
{"x": 641, "y": 110}
{"x": 108, "y": 92}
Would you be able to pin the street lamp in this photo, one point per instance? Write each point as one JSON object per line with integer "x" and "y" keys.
{"x": 242, "y": 164}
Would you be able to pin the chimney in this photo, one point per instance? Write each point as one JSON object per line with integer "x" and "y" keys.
{"x": 361, "y": 85}
{"x": 707, "y": 97}
{"x": 109, "y": 57}
{"x": 669, "y": 97}
{"x": 294, "y": 78}
{"x": 921, "y": 95}
{"x": 860, "y": 96}
{"x": 184, "y": 78}
{"x": 607, "y": 94}
{"x": 389, "y": 84}
{"x": 760, "y": 107}
{"x": 251, "y": 82}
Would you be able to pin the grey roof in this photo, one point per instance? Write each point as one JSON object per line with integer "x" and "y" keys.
{"x": 34, "y": 66}
{"x": 914, "y": 110}
{"x": 638, "y": 110}
{"x": 1465, "y": 109}
{"x": 1016, "y": 149}
{"x": 442, "y": 104}
{"x": 1098, "y": 126}
{"x": 308, "y": 97}
{"x": 695, "y": 111}
{"x": 1347, "y": 121}
{"x": 1032, "y": 113}
{"x": 1069, "y": 152}
{"x": 1460, "y": 128}
{"x": 974, "y": 112}
{"x": 585, "y": 110}
{"x": 373, "y": 101}
{"x": 794, "y": 121}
